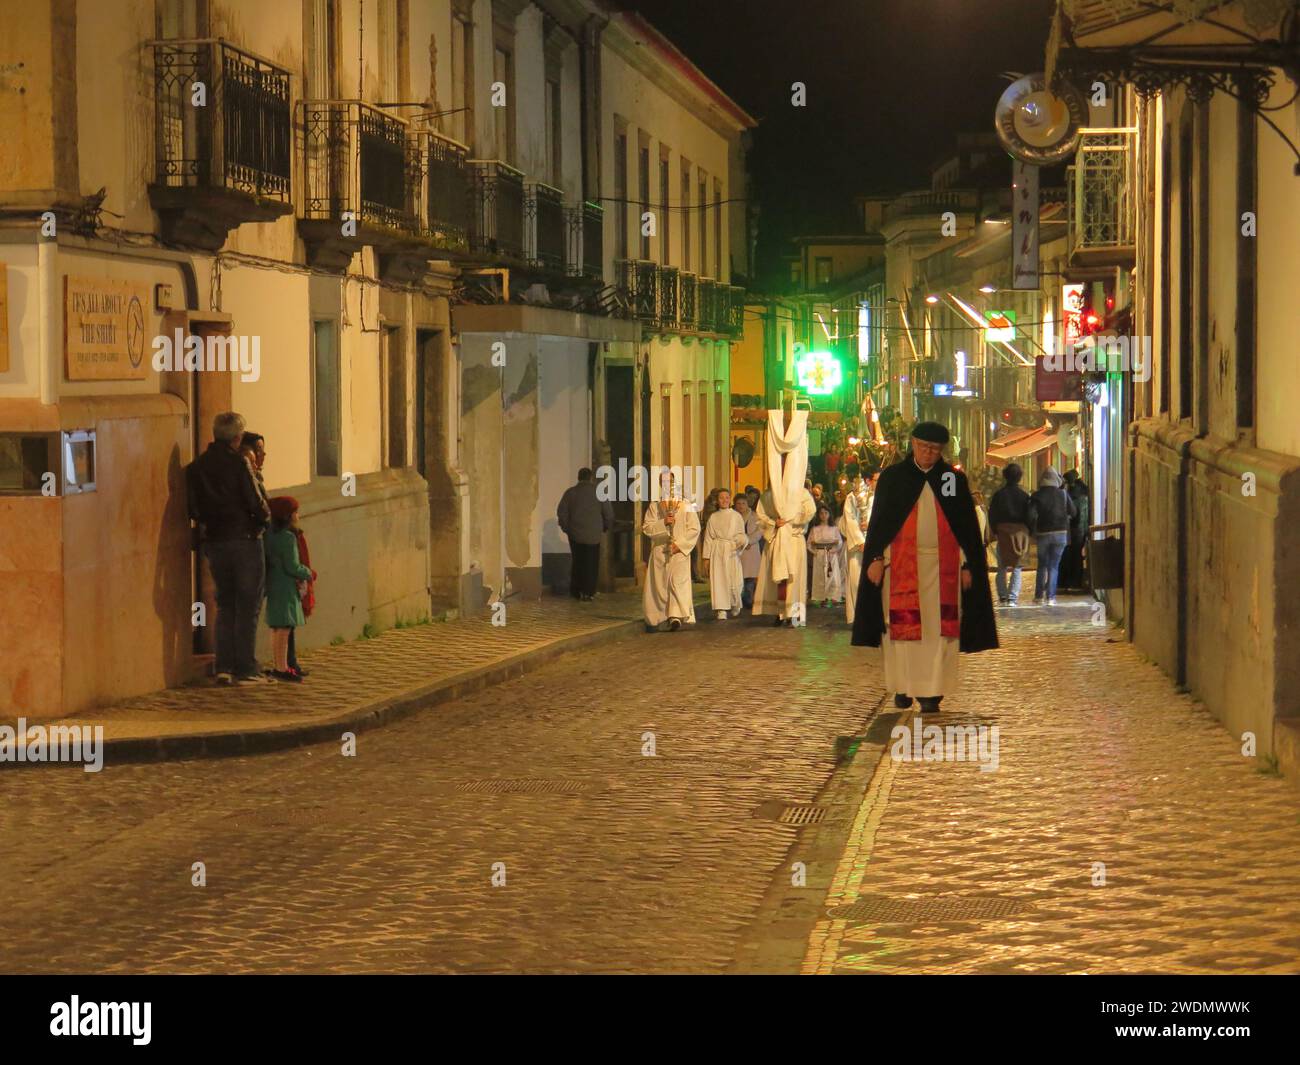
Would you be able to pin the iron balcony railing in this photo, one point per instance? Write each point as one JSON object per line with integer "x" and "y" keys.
{"x": 545, "y": 233}
{"x": 706, "y": 315}
{"x": 239, "y": 136}
{"x": 356, "y": 160}
{"x": 668, "y": 297}
{"x": 638, "y": 280}
{"x": 736, "y": 312}
{"x": 586, "y": 256}
{"x": 497, "y": 214}
{"x": 439, "y": 175}
{"x": 1101, "y": 197}
{"x": 688, "y": 290}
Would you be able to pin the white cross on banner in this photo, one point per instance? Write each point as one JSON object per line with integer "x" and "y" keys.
{"x": 1024, "y": 225}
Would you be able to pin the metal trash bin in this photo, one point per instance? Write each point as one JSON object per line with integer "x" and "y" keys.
{"x": 1106, "y": 556}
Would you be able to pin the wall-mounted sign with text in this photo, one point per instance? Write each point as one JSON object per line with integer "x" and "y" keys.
{"x": 104, "y": 329}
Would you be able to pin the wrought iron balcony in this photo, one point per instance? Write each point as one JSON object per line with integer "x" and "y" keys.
{"x": 440, "y": 173}
{"x": 706, "y": 317}
{"x": 1101, "y": 199}
{"x": 668, "y": 297}
{"x": 227, "y": 160}
{"x": 497, "y": 214}
{"x": 545, "y": 232}
{"x": 586, "y": 256}
{"x": 361, "y": 182}
{"x": 638, "y": 279}
{"x": 735, "y": 312}
{"x": 688, "y": 303}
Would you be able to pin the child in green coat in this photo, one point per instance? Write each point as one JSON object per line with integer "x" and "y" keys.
{"x": 283, "y": 572}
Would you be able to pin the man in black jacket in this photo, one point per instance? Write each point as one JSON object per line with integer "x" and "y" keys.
{"x": 584, "y": 518}
{"x": 1009, "y": 520}
{"x": 1072, "y": 561}
{"x": 232, "y": 513}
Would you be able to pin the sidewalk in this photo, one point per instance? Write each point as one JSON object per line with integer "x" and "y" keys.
{"x": 1122, "y": 831}
{"x": 358, "y": 685}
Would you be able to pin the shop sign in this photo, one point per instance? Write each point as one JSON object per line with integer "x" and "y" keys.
{"x": 104, "y": 329}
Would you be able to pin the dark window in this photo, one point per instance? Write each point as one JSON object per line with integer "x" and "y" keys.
{"x": 643, "y": 177}
{"x": 325, "y": 392}
{"x": 686, "y": 215}
{"x": 665, "y": 244}
{"x": 620, "y": 195}
{"x": 394, "y": 370}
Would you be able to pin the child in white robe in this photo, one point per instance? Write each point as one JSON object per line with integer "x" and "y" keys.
{"x": 724, "y": 540}
{"x": 825, "y": 544}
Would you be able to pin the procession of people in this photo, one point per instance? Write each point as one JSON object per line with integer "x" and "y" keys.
{"x": 902, "y": 550}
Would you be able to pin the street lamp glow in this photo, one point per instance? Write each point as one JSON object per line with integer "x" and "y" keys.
{"x": 988, "y": 290}
{"x": 931, "y": 299}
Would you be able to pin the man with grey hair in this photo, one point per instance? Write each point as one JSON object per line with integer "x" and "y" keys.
{"x": 231, "y": 513}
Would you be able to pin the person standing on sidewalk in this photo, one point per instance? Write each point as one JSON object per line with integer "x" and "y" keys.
{"x": 926, "y": 595}
{"x": 1051, "y": 511}
{"x": 584, "y": 519}
{"x": 751, "y": 557}
{"x": 1072, "y": 562}
{"x": 284, "y": 569}
{"x": 1009, "y": 520}
{"x": 232, "y": 513}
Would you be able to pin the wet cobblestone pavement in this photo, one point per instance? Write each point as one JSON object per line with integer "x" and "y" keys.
{"x": 614, "y": 861}
{"x": 384, "y": 862}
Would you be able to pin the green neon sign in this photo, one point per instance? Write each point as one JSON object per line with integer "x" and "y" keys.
{"x": 818, "y": 373}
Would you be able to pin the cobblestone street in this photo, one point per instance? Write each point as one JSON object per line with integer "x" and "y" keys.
{"x": 614, "y": 860}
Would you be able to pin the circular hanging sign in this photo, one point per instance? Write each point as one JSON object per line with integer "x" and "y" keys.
{"x": 1036, "y": 125}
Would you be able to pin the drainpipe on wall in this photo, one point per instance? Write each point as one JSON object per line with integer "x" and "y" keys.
{"x": 47, "y": 255}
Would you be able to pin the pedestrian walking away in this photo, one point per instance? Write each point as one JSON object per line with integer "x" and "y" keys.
{"x": 231, "y": 513}
{"x": 585, "y": 519}
{"x": 1051, "y": 511}
{"x": 926, "y": 596}
{"x": 1009, "y": 520}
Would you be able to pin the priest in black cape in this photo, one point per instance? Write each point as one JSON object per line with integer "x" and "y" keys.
{"x": 925, "y": 595}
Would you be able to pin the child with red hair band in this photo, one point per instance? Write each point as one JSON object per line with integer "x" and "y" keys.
{"x": 284, "y": 569}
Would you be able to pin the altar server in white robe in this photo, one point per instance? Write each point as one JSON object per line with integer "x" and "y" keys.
{"x": 724, "y": 540}
{"x": 853, "y": 527}
{"x": 674, "y": 528}
{"x": 784, "y": 511}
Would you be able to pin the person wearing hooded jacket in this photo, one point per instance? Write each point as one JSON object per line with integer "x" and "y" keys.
{"x": 1051, "y": 513}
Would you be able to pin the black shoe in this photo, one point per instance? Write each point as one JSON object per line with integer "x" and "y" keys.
{"x": 300, "y": 671}
{"x": 779, "y": 621}
{"x": 292, "y": 678}
{"x": 902, "y": 702}
{"x": 931, "y": 706}
{"x": 674, "y": 624}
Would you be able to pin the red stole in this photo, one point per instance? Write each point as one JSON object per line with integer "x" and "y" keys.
{"x": 904, "y": 580}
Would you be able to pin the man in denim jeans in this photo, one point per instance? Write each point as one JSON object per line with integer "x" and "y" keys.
{"x": 1009, "y": 519}
{"x": 1051, "y": 510}
{"x": 232, "y": 514}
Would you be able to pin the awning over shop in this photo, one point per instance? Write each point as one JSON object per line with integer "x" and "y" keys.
{"x": 1019, "y": 445}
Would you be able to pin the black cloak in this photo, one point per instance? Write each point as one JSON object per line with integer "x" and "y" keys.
{"x": 897, "y": 491}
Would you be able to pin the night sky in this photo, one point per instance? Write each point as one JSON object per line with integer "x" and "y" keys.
{"x": 890, "y": 85}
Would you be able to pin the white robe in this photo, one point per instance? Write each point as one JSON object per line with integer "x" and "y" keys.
{"x": 926, "y": 667}
{"x": 724, "y": 540}
{"x": 785, "y": 558}
{"x": 853, "y": 524}
{"x": 827, "y": 580}
{"x": 668, "y": 592}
